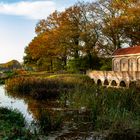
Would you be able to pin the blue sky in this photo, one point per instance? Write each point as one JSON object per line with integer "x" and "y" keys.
{"x": 17, "y": 23}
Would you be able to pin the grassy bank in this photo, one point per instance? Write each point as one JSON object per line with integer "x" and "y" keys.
{"x": 12, "y": 126}
{"x": 115, "y": 111}
{"x": 44, "y": 88}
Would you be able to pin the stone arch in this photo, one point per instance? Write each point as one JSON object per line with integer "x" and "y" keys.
{"x": 93, "y": 81}
{"x": 99, "y": 82}
{"x": 122, "y": 84}
{"x": 132, "y": 84}
{"x": 124, "y": 64}
{"x": 113, "y": 83}
{"x": 106, "y": 82}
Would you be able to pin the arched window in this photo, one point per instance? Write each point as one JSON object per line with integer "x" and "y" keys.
{"x": 138, "y": 64}
{"x": 116, "y": 65}
{"x": 132, "y": 64}
{"x": 124, "y": 64}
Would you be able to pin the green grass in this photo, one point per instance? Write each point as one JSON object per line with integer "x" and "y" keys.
{"x": 12, "y": 126}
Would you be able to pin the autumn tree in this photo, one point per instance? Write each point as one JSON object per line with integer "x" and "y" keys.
{"x": 40, "y": 53}
{"x": 70, "y": 34}
{"x": 129, "y": 19}
{"x": 119, "y": 22}
{"x": 83, "y": 32}
{"x": 111, "y": 37}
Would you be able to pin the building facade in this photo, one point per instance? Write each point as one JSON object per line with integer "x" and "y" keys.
{"x": 125, "y": 69}
{"x": 126, "y": 59}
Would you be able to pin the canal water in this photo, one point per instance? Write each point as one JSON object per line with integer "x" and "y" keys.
{"x": 76, "y": 124}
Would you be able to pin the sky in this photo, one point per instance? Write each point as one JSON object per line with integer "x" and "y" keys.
{"x": 18, "y": 19}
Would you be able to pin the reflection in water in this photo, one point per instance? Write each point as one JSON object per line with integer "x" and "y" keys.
{"x": 76, "y": 124}
{"x": 14, "y": 103}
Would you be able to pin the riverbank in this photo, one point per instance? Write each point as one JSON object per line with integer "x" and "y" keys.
{"x": 114, "y": 112}
{"x": 12, "y": 125}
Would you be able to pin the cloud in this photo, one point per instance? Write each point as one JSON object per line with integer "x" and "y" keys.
{"x": 32, "y": 9}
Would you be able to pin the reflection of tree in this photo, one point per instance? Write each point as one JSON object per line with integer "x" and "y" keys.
{"x": 46, "y": 118}
{"x": 35, "y": 107}
{"x": 49, "y": 115}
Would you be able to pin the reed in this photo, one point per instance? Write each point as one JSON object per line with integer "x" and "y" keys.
{"x": 44, "y": 88}
{"x": 115, "y": 110}
{"x": 48, "y": 122}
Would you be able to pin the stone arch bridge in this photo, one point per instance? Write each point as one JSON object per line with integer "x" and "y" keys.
{"x": 115, "y": 78}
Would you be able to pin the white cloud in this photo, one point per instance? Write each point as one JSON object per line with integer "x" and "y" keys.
{"x": 32, "y": 9}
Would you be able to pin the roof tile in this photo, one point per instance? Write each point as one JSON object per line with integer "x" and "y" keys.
{"x": 125, "y": 51}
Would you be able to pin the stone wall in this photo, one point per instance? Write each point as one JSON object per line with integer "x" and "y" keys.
{"x": 114, "y": 78}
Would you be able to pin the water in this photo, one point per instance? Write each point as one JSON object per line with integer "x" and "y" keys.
{"x": 76, "y": 123}
{"x": 14, "y": 103}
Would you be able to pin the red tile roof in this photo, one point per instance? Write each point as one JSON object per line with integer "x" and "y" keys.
{"x": 125, "y": 51}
